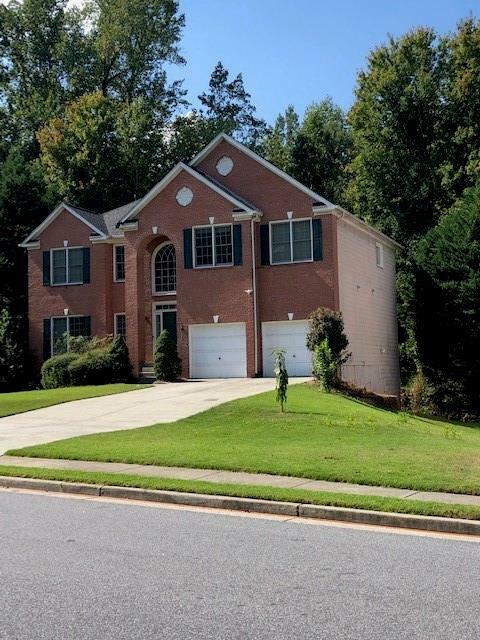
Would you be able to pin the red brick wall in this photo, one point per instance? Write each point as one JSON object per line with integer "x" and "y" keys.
{"x": 91, "y": 299}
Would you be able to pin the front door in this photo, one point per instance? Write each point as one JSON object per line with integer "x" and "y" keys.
{"x": 166, "y": 318}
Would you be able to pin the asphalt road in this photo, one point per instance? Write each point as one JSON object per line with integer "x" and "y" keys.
{"x": 98, "y": 570}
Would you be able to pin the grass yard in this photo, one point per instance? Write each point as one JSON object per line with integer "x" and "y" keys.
{"x": 21, "y": 401}
{"x": 351, "y": 501}
{"x": 323, "y": 436}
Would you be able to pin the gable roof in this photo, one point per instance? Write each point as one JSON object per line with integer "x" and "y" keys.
{"x": 223, "y": 137}
{"x": 91, "y": 219}
{"x": 239, "y": 203}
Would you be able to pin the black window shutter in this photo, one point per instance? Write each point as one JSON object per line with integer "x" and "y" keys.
{"x": 264, "y": 244}
{"x": 317, "y": 239}
{"x": 237, "y": 244}
{"x": 47, "y": 344}
{"x": 86, "y": 265}
{"x": 46, "y": 268}
{"x": 187, "y": 249}
{"x": 87, "y": 326}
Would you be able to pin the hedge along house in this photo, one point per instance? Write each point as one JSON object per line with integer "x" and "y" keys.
{"x": 231, "y": 255}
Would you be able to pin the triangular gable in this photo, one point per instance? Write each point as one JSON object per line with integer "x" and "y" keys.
{"x": 268, "y": 165}
{"x": 53, "y": 216}
{"x": 177, "y": 169}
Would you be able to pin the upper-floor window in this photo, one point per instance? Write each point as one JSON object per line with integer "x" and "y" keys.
{"x": 291, "y": 241}
{"x": 379, "y": 254}
{"x": 68, "y": 265}
{"x": 213, "y": 245}
{"x": 119, "y": 263}
{"x": 164, "y": 269}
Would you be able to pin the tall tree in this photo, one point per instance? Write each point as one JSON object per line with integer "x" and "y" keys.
{"x": 280, "y": 140}
{"x": 394, "y": 121}
{"x": 316, "y": 151}
{"x": 447, "y": 309}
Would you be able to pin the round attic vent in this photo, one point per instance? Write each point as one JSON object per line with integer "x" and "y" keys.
{"x": 184, "y": 196}
{"x": 224, "y": 165}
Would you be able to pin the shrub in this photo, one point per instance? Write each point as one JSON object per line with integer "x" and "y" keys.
{"x": 327, "y": 324}
{"x": 12, "y": 355}
{"x": 167, "y": 364}
{"x": 93, "y": 367}
{"x": 325, "y": 366}
{"x": 55, "y": 371}
{"x": 281, "y": 375}
{"x": 120, "y": 361}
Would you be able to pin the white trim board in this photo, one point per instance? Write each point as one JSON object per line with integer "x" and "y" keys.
{"x": 181, "y": 166}
{"x": 53, "y": 216}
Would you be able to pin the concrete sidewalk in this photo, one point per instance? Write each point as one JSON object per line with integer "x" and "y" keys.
{"x": 240, "y": 477}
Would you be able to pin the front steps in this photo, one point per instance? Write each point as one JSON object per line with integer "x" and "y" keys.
{"x": 147, "y": 374}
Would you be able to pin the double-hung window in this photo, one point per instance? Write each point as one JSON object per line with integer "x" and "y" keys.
{"x": 67, "y": 265}
{"x": 120, "y": 325}
{"x": 213, "y": 245}
{"x": 379, "y": 254}
{"x": 119, "y": 263}
{"x": 291, "y": 241}
{"x": 65, "y": 327}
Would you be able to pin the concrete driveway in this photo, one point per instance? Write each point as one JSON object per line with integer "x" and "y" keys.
{"x": 158, "y": 403}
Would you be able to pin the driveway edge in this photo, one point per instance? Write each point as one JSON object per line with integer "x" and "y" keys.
{"x": 251, "y": 505}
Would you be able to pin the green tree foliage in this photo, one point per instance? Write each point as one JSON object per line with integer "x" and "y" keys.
{"x": 325, "y": 366}
{"x": 316, "y": 151}
{"x": 325, "y": 324}
{"x": 12, "y": 356}
{"x": 281, "y": 378}
{"x": 167, "y": 364}
{"x": 447, "y": 305}
{"x": 226, "y": 107}
{"x": 122, "y": 368}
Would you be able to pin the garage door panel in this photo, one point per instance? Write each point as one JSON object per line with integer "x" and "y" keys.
{"x": 290, "y": 336}
{"x": 218, "y": 351}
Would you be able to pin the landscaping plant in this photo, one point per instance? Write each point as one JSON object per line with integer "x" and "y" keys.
{"x": 325, "y": 366}
{"x": 167, "y": 364}
{"x": 121, "y": 366}
{"x": 281, "y": 375}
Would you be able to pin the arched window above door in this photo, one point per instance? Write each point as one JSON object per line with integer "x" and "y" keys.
{"x": 164, "y": 269}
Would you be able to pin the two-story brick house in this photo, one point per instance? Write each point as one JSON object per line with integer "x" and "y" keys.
{"x": 231, "y": 255}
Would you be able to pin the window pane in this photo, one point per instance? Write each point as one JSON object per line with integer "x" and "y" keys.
{"x": 223, "y": 245}
{"x": 203, "y": 247}
{"x": 59, "y": 266}
{"x": 281, "y": 242}
{"x": 165, "y": 270}
{"x": 79, "y": 326}
{"x": 119, "y": 262}
{"x": 302, "y": 243}
{"x": 59, "y": 336}
{"x": 75, "y": 265}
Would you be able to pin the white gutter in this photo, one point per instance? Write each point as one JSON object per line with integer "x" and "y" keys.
{"x": 254, "y": 287}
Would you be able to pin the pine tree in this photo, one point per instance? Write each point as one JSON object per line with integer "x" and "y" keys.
{"x": 167, "y": 364}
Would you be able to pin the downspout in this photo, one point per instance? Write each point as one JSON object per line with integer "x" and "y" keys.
{"x": 254, "y": 288}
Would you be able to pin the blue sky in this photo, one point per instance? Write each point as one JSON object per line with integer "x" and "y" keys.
{"x": 299, "y": 51}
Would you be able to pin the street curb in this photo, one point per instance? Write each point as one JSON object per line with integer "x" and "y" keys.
{"x": 251, "y": 505}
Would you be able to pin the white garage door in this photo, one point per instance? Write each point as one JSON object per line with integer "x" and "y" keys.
{"x": 218, "y": 351}
{"x": 289, "y": 336}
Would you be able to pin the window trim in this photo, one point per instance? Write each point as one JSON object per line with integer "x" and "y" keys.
{"x": 64, "y": 317}
{"x": 379, "y": 255}
{"x": 67, "y": 264}
{"x": 115, "y": 279}
{"x": 115, "y": 317}
{"x": 152, "y": 270}
{"x": 290, "y": 221}
{"x": 214, "y": 251}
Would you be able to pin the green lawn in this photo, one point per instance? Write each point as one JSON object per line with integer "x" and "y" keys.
{"x": 21, "y": 401}
{"x": 323, "y": 436}
{"x": 373, "y": 503}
